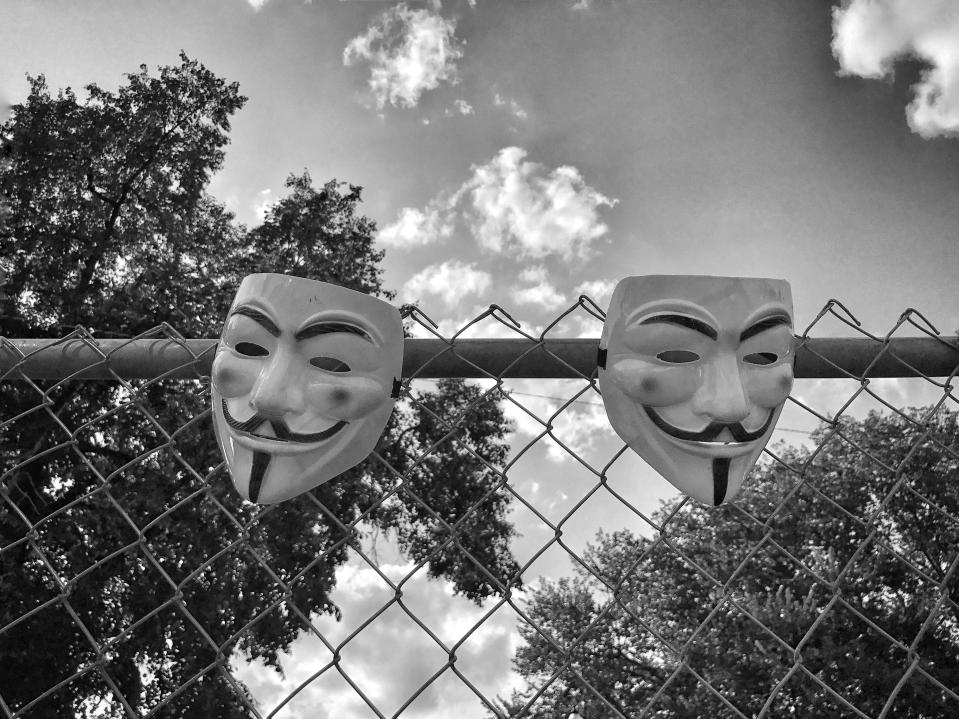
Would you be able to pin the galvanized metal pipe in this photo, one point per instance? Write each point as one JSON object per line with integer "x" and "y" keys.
{"x": 433, "y": 358}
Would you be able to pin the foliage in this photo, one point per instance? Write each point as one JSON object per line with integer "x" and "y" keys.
{"x": 118, "y": 525}
{"x": 833, "y": 567}
{"x": 106, "y": 199}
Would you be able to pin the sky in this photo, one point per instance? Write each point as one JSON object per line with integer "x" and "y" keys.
{"x": 525, "y": 153}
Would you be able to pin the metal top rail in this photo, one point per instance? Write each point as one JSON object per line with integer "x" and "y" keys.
{"x": 104, "y": 359}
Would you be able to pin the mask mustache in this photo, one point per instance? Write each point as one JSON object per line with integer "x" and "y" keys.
{"x": 280, "y": 428}
{"x": 712, "y": 430}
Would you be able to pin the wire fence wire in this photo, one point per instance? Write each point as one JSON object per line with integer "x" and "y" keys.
{"x": 108, "y": 609}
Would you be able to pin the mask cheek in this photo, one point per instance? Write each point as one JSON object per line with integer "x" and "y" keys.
{"x": 347, "y": 398}
{"x": 233, "y": 377}
{"x": 769, "y": 388}
{"x": 654, "y": 384}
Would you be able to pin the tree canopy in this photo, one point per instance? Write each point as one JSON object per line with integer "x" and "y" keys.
{"x": 832, "y": 579}
{"x": 129, "y": 568}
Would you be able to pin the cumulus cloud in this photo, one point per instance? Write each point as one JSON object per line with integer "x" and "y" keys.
{"x": 580, "y": 426}
{"x": 257, "y": 4}
{"x": 829, "y": 396}
{"x": 541, "y": 293}
{"x": 599, "y": 291}
{"x": 460, "y": 107}
{"x": 512, "y": 206}
{"x": 416, "y": 227}
{"x": 488, "y": 327}
{"x": 514, "y": 107}
{"x": 390, "y": 658}
{"x": 450, "y": 281}
{"x": 408, "y": 52}
{"x": 870, "y": 35}
{"x": 535, "y": 273}
{"x": 517, "y": 206}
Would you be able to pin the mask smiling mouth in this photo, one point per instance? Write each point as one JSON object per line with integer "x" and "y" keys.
{"x": 281, "y": 432}
{"x": 706, "y": 442}
{"x": 712, "y": 431}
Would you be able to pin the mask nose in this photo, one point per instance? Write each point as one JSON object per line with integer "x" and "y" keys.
{"x": 721, "y": 397}
{"x": 278, "y": 390}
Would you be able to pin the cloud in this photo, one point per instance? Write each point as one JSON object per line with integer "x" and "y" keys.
{"x": 391, "y": 657}
{"x": 460, "y": 107}
{"x": 408, "y": 52}
{"x": 264, "y": 201}
{"x": 488, "y": 327}
{"x": 513, "y": 207}
{"x": 450, "y": 281}
{"x": 514, "y": 106}
{"x": 518, "y": 207}
{"x": 870, "y": 35}
{"x": 257, "y": 5}
{"x": 542, "y": 293}
{"x": 828, "y": 396}
{"x": 536, "y": 273}
{"x": 599, "y": 291}
{"x": 580, "y": 426}
{"x": 415, "y": 227}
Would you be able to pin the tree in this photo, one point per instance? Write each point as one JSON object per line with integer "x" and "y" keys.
{"x": 129, "y": 569}
{"x": 841, "y": 557}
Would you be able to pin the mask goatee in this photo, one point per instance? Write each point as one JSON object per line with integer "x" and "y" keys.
{"x": 261, "y": 460}
{"x": 720, "y": 479}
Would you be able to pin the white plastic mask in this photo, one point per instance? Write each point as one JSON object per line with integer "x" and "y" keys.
{"x": 302, "y": 383}
{"x": 697, "y": 370}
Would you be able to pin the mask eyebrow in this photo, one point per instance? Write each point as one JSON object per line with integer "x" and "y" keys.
{"x": 764, "y": 324}
{"x": 324, "y": 328}
{"x": 684, "y": 321}
{"x": 257, "y": 316}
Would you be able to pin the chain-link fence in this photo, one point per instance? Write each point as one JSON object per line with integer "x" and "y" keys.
{"x": 133, "y": 581}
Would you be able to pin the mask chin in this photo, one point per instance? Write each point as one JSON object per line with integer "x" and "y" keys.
{"x": 709, "y": 479}
{"x": 277, "y": 477}
{"x": 267, "y": 473}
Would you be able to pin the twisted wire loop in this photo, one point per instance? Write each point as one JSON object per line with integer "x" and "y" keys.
{"x": 828, "y": 588}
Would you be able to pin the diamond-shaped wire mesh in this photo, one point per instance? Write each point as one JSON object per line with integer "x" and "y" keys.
{"x": 135, "y": 583}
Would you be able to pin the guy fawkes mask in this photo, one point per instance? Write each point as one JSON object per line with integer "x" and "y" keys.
{"x": 697, "y": 370}
{"x": 302, "y": 383}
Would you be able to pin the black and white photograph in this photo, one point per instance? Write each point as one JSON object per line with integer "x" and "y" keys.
{"x": 479, "y": 359}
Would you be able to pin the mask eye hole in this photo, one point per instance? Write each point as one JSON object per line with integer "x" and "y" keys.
{"x": 678, "y": 356}
{"x": 761, "y": 358}
{"x": 330, "y": 364}
{"x": 251, "y": 350}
